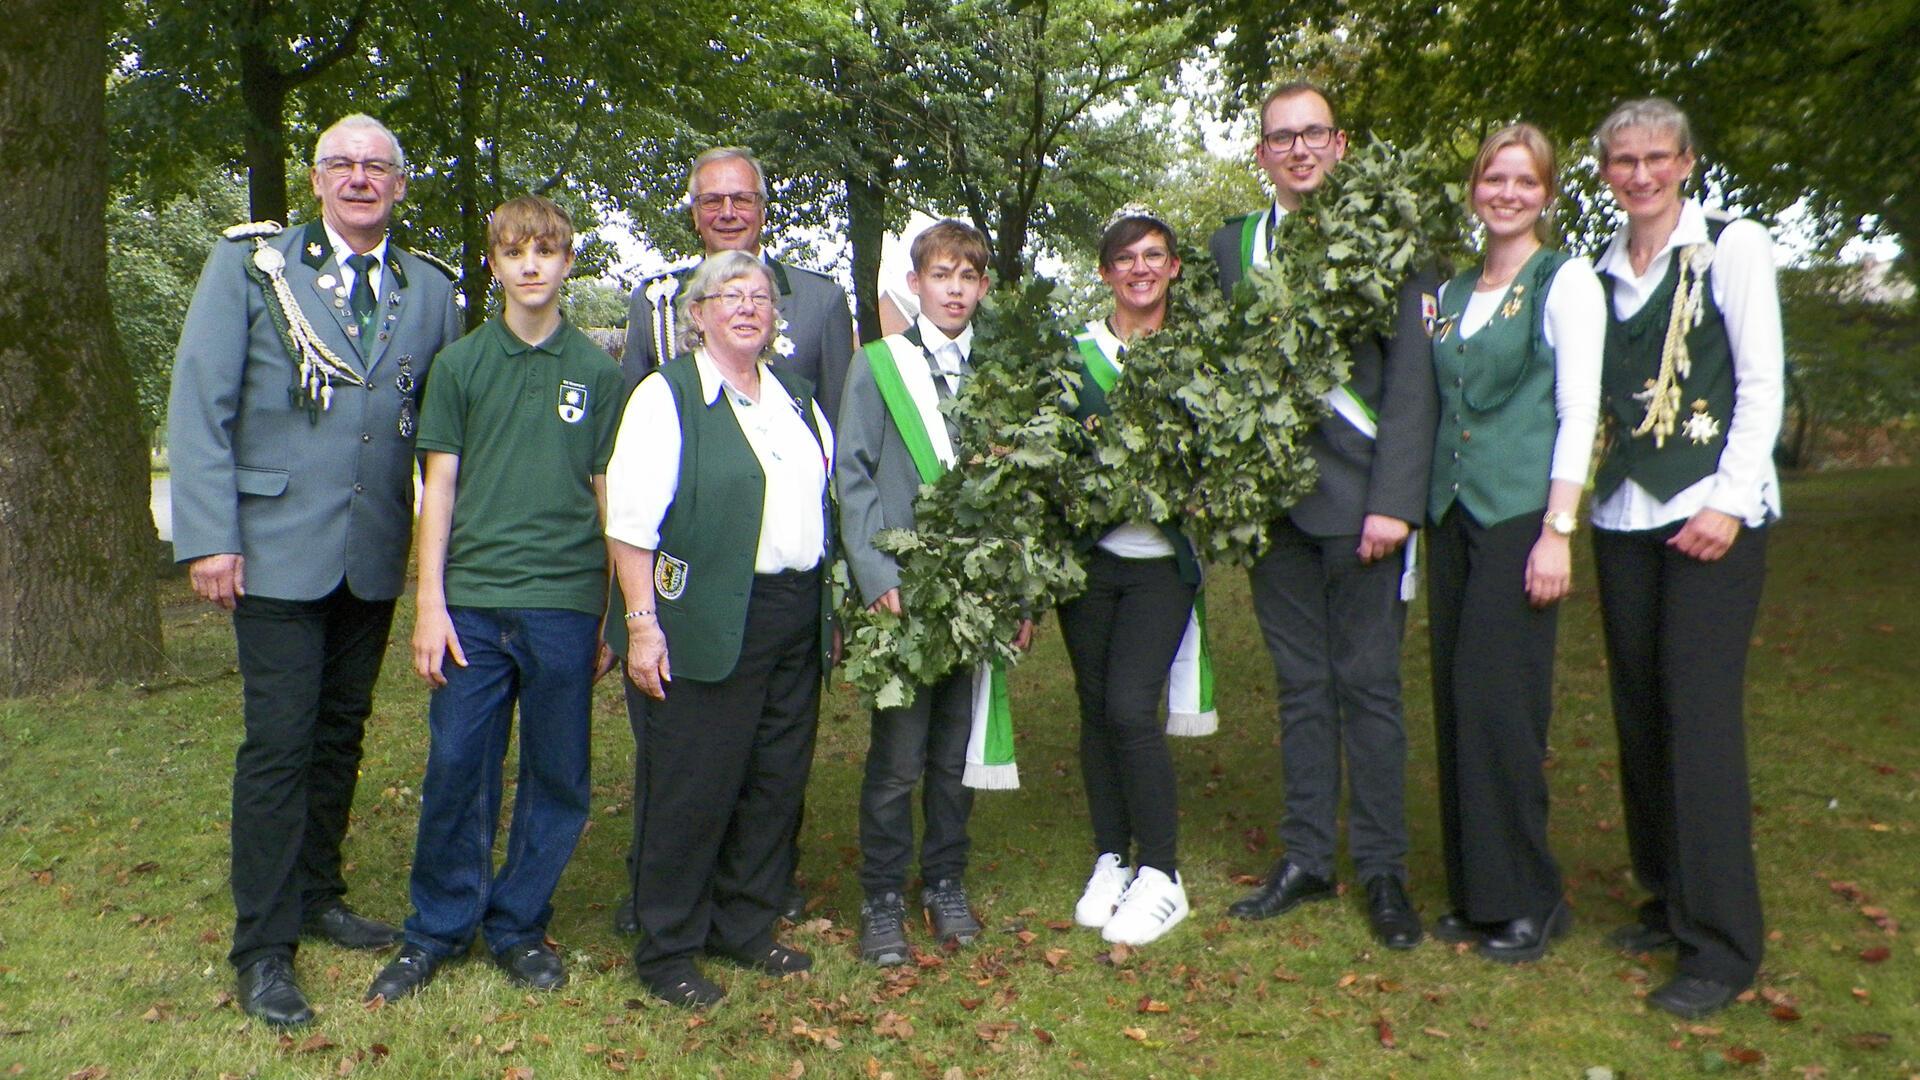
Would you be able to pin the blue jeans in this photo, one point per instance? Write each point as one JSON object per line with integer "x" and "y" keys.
{"x": 543, "y": 658}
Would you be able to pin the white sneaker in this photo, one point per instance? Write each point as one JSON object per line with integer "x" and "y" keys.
{"x": 1110, "y": 879}
{"x": 1151, "y": 906}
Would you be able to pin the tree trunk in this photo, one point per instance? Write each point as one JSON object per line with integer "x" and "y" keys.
{"x": 76, "y": 540}
{"x": 867, "y": 231}
{"x": 474, "y": 273}
{"x": 263, "y": 89}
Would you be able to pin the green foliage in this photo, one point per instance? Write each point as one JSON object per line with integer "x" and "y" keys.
{"x": 1207, "y": 430}
{"x": 1852, "y": 362}
{"x": 596, "y": 302}
{"x": 153, "y": 261}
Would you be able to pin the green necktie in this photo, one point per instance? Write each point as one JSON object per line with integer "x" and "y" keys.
{"x": 361, "y": 301}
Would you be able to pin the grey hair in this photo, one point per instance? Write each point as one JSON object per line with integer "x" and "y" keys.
{"x": 356, "y": 122}
{"x": 724, "y": 153}
{"x": 1653, "y": 113}
{"x": 714, "y": 271}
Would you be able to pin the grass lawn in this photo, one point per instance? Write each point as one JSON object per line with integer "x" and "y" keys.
{"x": 114, "y": 910}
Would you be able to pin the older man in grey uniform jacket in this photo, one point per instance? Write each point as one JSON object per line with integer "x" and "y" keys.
{"x": 290, "y": 431}
{"x": 1327, "y": 594}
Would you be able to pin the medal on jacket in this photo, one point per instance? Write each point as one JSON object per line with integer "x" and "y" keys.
{"x": 316, "y": 367}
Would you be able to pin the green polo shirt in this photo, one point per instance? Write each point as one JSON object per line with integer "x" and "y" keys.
{"x": 532, "y": 425}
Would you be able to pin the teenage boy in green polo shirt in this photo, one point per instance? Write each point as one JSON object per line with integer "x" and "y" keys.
{"x": 517, "y": 427}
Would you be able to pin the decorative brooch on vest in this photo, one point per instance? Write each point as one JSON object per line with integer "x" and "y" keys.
{"x": 316, "y": 366}
{"x": 1662, "y": 394}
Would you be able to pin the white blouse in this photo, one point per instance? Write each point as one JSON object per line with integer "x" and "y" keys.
{"x": 644, "y": 471}
{"x": 1745, "y": 485}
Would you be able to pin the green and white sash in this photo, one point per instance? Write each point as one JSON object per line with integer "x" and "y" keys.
{"x": 1190, "y": 709}
{"x": 913, "y": 403}
{"x": 1256, "y": 249}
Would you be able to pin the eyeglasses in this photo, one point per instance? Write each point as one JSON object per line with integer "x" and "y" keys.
{"x": 1625, "y": 164}
{"x": 743, "y": 201}
{"x": 342, "y": 167}
{"x": 1280, "y": 140}
{"x": 733, "y": 298}
{"x": 1156, "y": 259}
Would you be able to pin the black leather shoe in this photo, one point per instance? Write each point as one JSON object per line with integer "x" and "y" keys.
{"x": 683, "y": 986}
{"x": 1638, "y": 937}
{"x": 1517, "y": 941}
{"x": 626, "y": 918}
{"x": 793, "y": 907}
{"x": 532, "y": 964}
{"x": 771, "y": 958}
{"x": 1454, "y": 927}
{"x": 1391, "y": 914}
{"x": 404, "y": 975}
{"x": 340, "y": 925}
{"x": 269, "y": 993}
{"x": 1287, "y": 888}
{"x": 1692, "y": 997}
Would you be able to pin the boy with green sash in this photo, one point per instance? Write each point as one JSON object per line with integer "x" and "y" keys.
{"x": 893, "y": 438}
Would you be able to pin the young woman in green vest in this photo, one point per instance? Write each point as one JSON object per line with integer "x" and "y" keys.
{"x": 1693, "y": 386}
{"x": 1516, "y": 354}
{"x": 1124, "y": 631}
{"x": 718, "y": 518}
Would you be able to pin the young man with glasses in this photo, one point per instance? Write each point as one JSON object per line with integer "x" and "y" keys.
{"x": 1328, "y": 593}
{"x": 813, "y": 338}
{"x": 290, "y": 429}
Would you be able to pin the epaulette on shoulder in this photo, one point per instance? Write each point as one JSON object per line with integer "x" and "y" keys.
{"x": 247, "y": 230}
{"x": 673, "y": 269}
{"x": 436, "y": 262}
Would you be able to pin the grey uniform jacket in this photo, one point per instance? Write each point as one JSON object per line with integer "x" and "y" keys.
{"x": 307, "y": 502}
{"x": 1394, "y": 376}
{"x": 875, "y": 477}
{"x": 819, "y": 323}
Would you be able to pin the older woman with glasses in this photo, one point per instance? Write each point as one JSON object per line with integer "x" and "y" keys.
{"x": 718, "y": 522}
{"x": 1692, "y": 399}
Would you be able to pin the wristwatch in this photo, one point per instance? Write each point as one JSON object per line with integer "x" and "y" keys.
{"x": 1560, "y": 521}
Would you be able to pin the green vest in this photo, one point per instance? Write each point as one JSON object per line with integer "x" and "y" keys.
{"x": 1630, "y": 366}
{"x": 703, "y": 570}
{"x": 1493, "y": 448}
{"x": 1092, "y": 401}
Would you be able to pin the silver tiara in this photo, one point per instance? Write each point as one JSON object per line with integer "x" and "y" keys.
{"x": 1135, "y": 210}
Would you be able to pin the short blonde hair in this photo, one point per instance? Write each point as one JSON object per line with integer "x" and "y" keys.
{"x": 1540, "y": 148}
{"x": 526, "y": 218}
{"x": 714, "y": 271}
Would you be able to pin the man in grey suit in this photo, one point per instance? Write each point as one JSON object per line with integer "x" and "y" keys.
{"x": 1328, "y": 593}
{"x": 290, "y": 432}
{"x": 727, "y": 196}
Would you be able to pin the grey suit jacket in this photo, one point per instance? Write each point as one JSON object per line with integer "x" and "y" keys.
{"x": 1394, "y": 376}
{"x": 307, "y": 502}
{"x": 819, "y": 323}
{"x": 875, "y": 477}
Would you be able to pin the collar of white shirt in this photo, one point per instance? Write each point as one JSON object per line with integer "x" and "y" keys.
{"x": 936, "y": 342}
{"x": 1690, "y": 229}
{"x": 341, "y": 249}
{"x": 712, "y": 382}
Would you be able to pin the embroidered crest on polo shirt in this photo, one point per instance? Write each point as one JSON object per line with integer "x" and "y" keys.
{"x": 573, "y": 401}
{"x": 669, "y": 576}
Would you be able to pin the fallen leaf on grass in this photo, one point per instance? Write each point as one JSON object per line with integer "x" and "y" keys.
{"x": 1059, "y": 924}
{"x": 161, "y": 1010}
{"x": 517, "y": 1072}
{"x": 1055, "y": 958}
{"x": 313, "y": 1044}
{"x": 1861, "y": 994}
{"x": 1384, "y": 1030}
{"x": 1786, "y": 1014}
{"x": 1149, "y": 1005}
{"x": 797, "y": 1070}
{"x": 1026, "y": 937}
{"x": 91, "y": 1072}
{"x": 1281, "y": 974}
{"x": 1743, "y": 1055}
{"x": 1870, "y": 1040}
{"x": 1435, "y": 1032}
{"x": 893, "y": 1025}
{"x": 1134, "y": 1033}
{"x": 1248, "y": 879}
{"x": 1347, "y": 980}
{"x": 1881, "y": 919}
{"x": 507, "y": 1047}
{"x": 1120, "y": 953}
{"x": 1043, "y": 1035}
{"x": 1703, "y": 1031}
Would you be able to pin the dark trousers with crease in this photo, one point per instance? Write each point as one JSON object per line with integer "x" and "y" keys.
{"x": 1492, "y": 702}
{"x": 727, "y": 763}
{"x": 307, "y": 669}
{"x": 1122, "y": 635}
{"x": 1333, "y": 626}
{"x": 1677, "y": 634}
{"x": 923, "y": 745}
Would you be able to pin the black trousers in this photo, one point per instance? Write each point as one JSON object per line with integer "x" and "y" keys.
{"x": 727, "y": 763}
{"x": 1492, "y": 701}
{"x": 1677, "y": 633}
{"x": 1122, "y": 634}
{"x": 1333, "y": 627}
{"x": 924, "y": 745}
{"x": 307, "y": 669}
